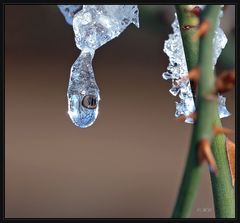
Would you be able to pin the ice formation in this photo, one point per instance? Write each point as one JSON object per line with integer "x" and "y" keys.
{"x": 177, "y": 69}
{"x": 93, "y": 25}
{"x": 69, "y": 11}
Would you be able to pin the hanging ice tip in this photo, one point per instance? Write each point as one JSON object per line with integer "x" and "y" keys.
{"x": 93, "y": 25}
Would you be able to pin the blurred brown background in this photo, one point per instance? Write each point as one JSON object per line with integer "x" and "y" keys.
{"x": 130, "y": 162}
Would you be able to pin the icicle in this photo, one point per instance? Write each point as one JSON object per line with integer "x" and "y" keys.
{"x": 93, "y": 26}
{"x": 83, "y": 92}
{"x": 177, "y": 69}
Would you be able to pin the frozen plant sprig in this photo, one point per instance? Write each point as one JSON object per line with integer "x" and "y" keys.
{"x": 177, "y": 70}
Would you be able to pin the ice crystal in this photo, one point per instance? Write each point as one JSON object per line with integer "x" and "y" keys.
{"x": 177, "y": 69}
{"x": 95, "y": 25}
{"x": 222, "y": 110}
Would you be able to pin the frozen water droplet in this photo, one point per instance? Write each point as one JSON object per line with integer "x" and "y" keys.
{"x": 83, "y": 112}
{"x": 93, "y": 26}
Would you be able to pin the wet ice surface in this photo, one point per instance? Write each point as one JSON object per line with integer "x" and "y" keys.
{"x": 69, "y": 11}
{"x": 93, "y": 25}
{"x": 177, "y": 69}
{"x": 222, "y": 110}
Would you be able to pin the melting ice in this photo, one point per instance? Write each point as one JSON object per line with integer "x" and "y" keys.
{"x": 177, "y": 69}
{"x": 93, "y": 25}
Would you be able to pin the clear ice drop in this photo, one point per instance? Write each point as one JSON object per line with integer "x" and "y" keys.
{"x": 93, "y": 25}
{"x": 177, "y": 69}
{"x": 82, "y": 85}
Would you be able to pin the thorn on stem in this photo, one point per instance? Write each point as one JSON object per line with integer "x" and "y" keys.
{"x": 212, "y": 170}
{"x": 196, "y": 11}
{"x": 194, "y": 74}
{"x": 211, "y": 96}
{"x": 187, "y": 27}
{"x": 204, "y": 152}
{"x": 225, "y": 81}
{"x": 219, "y": 130}
{"x": 202, "y": 30}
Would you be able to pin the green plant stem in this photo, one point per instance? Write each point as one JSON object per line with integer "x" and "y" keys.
{"x": 223, "y": 191}
{"x": 191, "y": 48}
{"x": 193, "y": 171}
{"x": 190, "y": 182}
{"x": 207, "y": 115}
